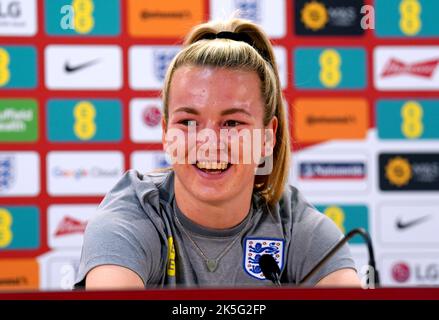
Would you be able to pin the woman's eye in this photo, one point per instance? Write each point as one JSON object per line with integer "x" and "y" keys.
{"x": 232, "y": 123}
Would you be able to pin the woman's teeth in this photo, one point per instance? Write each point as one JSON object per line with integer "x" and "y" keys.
{"x": 212, "y": 165}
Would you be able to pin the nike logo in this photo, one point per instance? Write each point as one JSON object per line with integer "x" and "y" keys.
{"x": 407, "y": 224}
{"x": 69, "y": 68}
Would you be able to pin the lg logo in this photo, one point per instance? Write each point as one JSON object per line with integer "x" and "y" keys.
{"x": 10, "y": 10}
{"x": 421, "y": 273}
{"x": 401, "y": 272}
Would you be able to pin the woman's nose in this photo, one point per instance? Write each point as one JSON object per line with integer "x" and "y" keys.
{"x": 212, "y": 125}
{"x": 210, "y": 132}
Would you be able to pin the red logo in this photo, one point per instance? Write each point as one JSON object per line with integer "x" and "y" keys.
{"x": 152, "y": 116}
{"x": 69, "y": 225}
{"x": 421, "y": 69}
{"x": 401, "y": 272}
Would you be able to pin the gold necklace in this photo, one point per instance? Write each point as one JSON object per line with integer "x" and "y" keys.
{"x": 211, "y": 264}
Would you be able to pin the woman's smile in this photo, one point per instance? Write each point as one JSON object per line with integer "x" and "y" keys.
{"x": 213, "y": 170}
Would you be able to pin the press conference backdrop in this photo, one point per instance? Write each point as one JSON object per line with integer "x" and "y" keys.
{"x": 79, "y": 104}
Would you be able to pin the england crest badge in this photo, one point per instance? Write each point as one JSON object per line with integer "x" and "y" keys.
{"x": 7, "y": 173}
{"x": 254, "y": 248}
{"x": 162, "y": 59}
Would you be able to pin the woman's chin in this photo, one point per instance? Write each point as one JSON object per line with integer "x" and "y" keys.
{"x": 213, "y": 185}
{"x": 211, "y": 196}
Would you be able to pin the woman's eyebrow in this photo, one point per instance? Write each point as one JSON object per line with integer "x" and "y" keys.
{"x": 223, "y": 113}
{"x": 187, "y": 110}
{"x": 235, "y": 110}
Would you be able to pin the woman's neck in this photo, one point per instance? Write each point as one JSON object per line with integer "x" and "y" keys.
{"x": 218, "y": 215}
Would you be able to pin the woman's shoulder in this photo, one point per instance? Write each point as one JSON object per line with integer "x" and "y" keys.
{"x": 306, "y": 220}
{"x": 138, "y": 188}
{"x": 135, "y": 197}
{"x": 313, "y": 234}
{"x": 294, "y": 204}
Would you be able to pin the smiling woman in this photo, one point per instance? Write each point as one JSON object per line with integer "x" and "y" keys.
{"x": 210, "y": 218}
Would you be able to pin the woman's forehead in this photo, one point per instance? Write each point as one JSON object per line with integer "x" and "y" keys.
{"x": 200, "y": 85}
{"x": 214, "y": 75}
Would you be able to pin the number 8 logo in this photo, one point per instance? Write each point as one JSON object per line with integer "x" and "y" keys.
{"x": 410, "y": 23}
{"x": 330, "y": 62}
{"x": 84, "y": 21}
{"x": 412, "y": 113}
{"x": 6, "y": 235}
{"x": 5, "y": 74}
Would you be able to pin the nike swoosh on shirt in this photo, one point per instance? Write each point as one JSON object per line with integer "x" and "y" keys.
{"x": 407, "y": 224}
{"x": 69, "y": 68}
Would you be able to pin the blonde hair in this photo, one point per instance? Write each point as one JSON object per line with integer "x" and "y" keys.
{"x": 258, "y": 56}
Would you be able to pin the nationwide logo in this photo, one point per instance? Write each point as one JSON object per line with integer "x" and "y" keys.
{"x": 7, "y": 173}
{"x": 328, "y": 171}
{"x": 401, "y": 272}
{"x": 423, "y": 69}
{"x": 69, "y": 225}
{"x": 151, "y": 116}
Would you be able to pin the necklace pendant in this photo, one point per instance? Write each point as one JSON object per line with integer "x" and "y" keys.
{"x": 211, "y": 265}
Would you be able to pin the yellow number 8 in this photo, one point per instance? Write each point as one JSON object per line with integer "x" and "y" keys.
{"x": 410, "y": 22}
{"x": 84, "y": 21}
{"x": 330, "y": 62}
{"x": 411, "y": 113}
{"x": 84, "y": 127}
{"x": 5, "y": 228}
{"x": 5, "y": 74}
